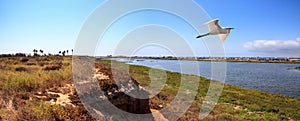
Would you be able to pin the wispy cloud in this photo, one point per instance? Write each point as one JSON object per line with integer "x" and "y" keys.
{"x": 275, "y": 47}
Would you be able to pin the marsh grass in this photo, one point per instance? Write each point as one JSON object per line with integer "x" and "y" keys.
{"x": 16, "y": 75}
{"x": 32, "y": 79}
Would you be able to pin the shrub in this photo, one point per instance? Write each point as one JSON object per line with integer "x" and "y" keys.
{"x": 2, "y": 67}
{"x": 20, "y": 69}
{"x": 225, "y": 117}
{"x": 36, "y": 110}
{"x": 52, "y": 67}
{"x": 18, "y": 81}
{"x": 31, "y": 63}
{"x": 41, "y": 111}
{"x": 42, "y": 63}
{"x": 24, "y": 60}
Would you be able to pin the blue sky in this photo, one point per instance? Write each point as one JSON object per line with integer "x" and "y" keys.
{"x": 262, "y": 27}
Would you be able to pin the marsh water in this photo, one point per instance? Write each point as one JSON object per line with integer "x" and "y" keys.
{"x": 275, "y": 78}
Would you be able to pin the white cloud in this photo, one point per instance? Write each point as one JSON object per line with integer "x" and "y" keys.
{"x": 288, "y": 47}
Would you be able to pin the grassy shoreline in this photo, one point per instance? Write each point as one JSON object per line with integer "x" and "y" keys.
{"x": 21, "y": 79}
{"x": 235, "y": 103}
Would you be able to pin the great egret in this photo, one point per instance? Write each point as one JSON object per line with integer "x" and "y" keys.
{"x": 216, "y": 29}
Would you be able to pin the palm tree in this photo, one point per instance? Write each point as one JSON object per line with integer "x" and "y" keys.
{"x": 72, "y": 51}
{"x": 59, "y": 52}
{"x": 41, "y": 51}
{"x": 67, "y": 52}
{"x": 35, "y": 52}
{"x": 63, "y": 53}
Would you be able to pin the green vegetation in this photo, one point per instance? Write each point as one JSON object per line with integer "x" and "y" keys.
{"x": 22, "y": 77}
{"x": 298, "y": 68}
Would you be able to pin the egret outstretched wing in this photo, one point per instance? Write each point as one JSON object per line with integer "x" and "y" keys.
{"x": 214, "y": 25}
{"x": 223, "y": 37}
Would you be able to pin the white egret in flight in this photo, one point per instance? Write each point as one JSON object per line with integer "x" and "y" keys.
{"x": 216, "y": 29}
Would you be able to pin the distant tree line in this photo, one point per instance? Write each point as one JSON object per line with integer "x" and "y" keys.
{"x": 14, "y": 55}
{"x": 38, "y": 53}
{"x": 41, "y": 53}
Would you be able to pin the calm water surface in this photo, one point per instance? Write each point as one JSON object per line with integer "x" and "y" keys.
{"x": 274, "y": 78}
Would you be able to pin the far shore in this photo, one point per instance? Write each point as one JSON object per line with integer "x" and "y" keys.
{"x": 286, "y": 60}
{"x": 227, "y": 59}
